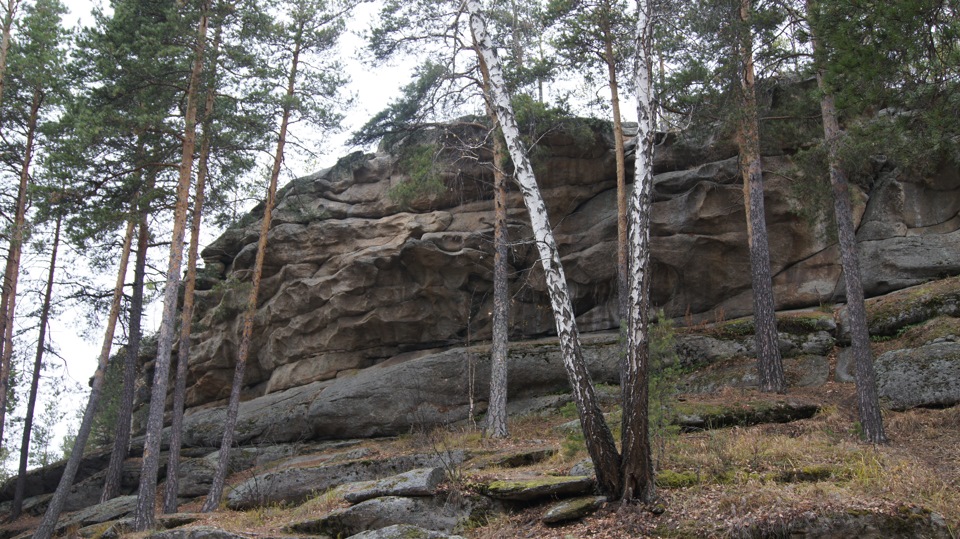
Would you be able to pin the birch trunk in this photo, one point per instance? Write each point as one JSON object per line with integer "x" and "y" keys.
{"x": 871, "y": 419}
{"x": 223, "y": 464}
{"x": 637, "y": 464}
{"x": 48, "y": 524}
{"x": 599, "y": 440}
{"x": 21, "y": 485}
{"x": 145, "y": 514}
{"x": 769, "y": 363}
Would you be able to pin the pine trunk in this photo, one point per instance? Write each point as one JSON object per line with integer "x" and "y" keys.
{"x": 637, "y": 464}
{"x": 21, "y": 485}
{"x": 769, "y": 364}
{"x": 223, "y": 464}
{"x": 172, "y": 486}
{"x": 871, "y": 419}
{"x": 121, "y": 436}
{"x": 145, "y": 513}
{"x": 623, "y": 286}
{"x": 12, "y": 274}
{"x": 499, "y": 352}
{"x": 599, "y": 440}
{"x": 48, "y": 524}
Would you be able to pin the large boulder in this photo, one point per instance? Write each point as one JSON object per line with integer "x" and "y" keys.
{"x": 926, "y": 376}
{"x": 415, "y": 390}
{"x": 354, "y": 279}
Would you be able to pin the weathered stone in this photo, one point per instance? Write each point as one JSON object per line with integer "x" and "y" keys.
{"x": 427, "y": 389}
{"x": 94, "y": 514}
{"x": 845, "y": 370}
{"x": 416, "y": 482}
{"x": 925, "y": 376}
{"x": 514, "y": 459}
{"x": 403, "y": 531}
{"x": 801, "y": 371}
{"x": 574, "y": 509}
{"x": 353, "y": 280}
{"x": 539, "y": 488}
{"x": 293, "y": 485}
{"x": 199, "y": 532}
{"x": 425, "y": 513}
{"x": 861, "y": 524}
{"x": 744, "y": 414}
{"x": 196, "y": 476}
{"x": 44, "y": 480}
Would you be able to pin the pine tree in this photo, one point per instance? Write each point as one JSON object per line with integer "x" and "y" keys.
{"x": 313, "y": 28}
{"x": 20, "y": 488}
{"x": 871, "y": 420}
{"x": 146, "y": 496}
{"x": 36, "y": 70}
{"x": 596, "y": 34}
{"x": 769, "y": 364}
{"x": 48, "y": 524}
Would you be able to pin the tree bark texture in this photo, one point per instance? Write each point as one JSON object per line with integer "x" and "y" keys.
{"x": 172, "y": 485}
{"x": 769, "y": 363}
{"x": 223, "y": 464}
{"x": 48, "y": 524}
{"x": 17, "y": 507}
{"x": 121, "y": 435}
{"x": 145, "y": 513}
{"x": 496, "y": 421}
{"x": 871, "y": 419}
{"x": 636, "y": 463}
{"x": 623, "y": 286}
{"x": 599, "y": 440}
{"x": 12, "y": 274}
{"x": 499, "y": 352}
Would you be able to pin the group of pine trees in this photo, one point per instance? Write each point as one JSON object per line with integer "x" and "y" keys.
{"x": 132, "y": 131}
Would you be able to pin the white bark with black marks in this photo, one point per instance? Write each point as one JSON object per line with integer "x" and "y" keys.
{"x": 599, "y": 440}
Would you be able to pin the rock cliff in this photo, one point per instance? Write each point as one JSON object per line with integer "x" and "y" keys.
{"x": 353, "y": 278}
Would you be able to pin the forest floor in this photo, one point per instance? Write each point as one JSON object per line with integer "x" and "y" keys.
{"x": 754, "y": 481}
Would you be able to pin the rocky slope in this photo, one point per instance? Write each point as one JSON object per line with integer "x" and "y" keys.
{"x": 353, "y": 279}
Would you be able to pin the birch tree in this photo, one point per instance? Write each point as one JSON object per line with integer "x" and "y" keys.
{"x": 599, "y": 440}
{"x": 637, "y": 464}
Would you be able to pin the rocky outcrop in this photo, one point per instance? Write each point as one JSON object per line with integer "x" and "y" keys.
{"x": 354, "y": 279}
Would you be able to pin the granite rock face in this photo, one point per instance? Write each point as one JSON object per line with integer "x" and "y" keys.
{"x": 353, "y": 278}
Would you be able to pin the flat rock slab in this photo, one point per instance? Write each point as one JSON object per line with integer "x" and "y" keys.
{"x": 425, "y": 513}
{"x": 95, "y": 514}
{"x": 538, "y": 488}
{"x": 200, "y": 532}
{"x": 573, "y": 509}
{"x": 294, "y": 485}
{"x": 417, "y": 482}
{"x": 745, "y": 414}
{"x": 516, "y": 459}
{"x": 801, "y": 371}
{"x": 403, "y": 531}
{"x": 927, "y": 376}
